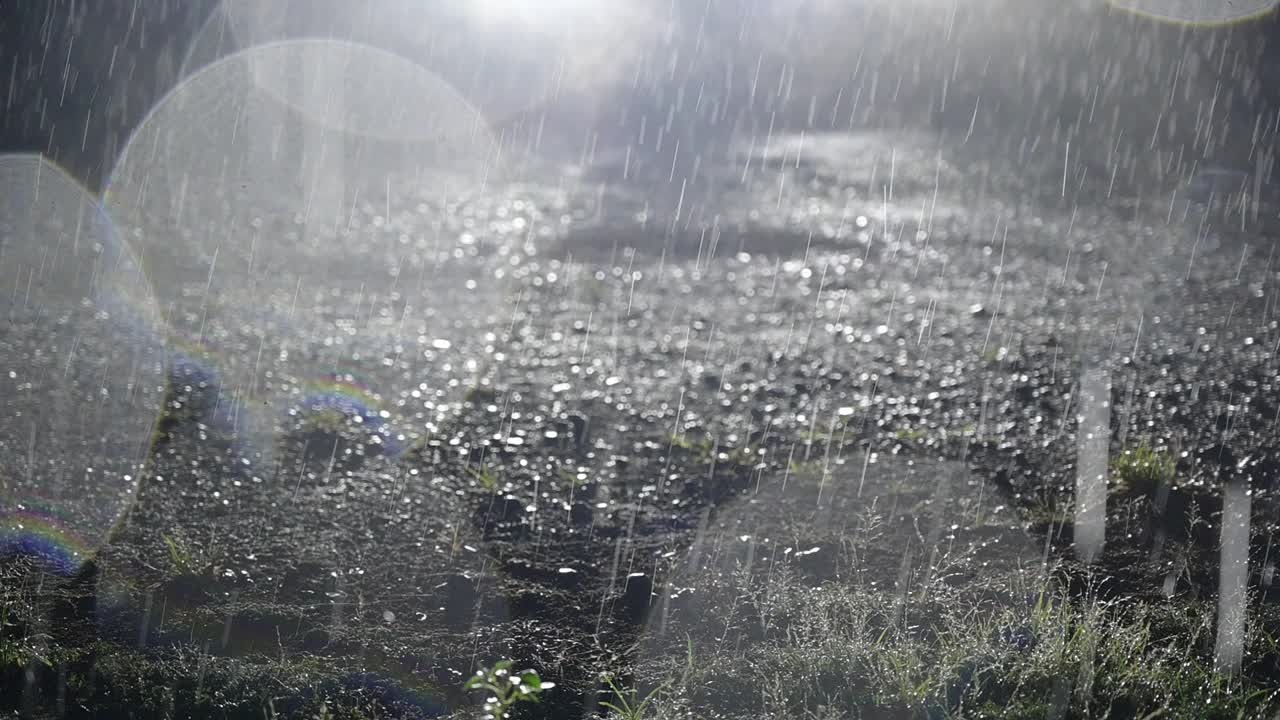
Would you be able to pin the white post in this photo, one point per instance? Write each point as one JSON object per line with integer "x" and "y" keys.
{"x": 1233, "y": 577}
{"x": 1093, "y": 439}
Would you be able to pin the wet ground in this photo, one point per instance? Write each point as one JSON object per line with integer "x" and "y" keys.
{"x": 599, "y": 437}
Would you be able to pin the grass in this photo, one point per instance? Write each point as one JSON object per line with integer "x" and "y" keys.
{"x": 184, "y": 560}
{"x": 774, "y": 642}
{"x": 1054, "y": 658}
{"x": 627, "y": 703}
{"x": 973, "y": 632}
{"x": 830, "y": 435}
{"x": 701, "y": 448}
{"x": 912, "y": 435}
{"x": 18, "y": 653}
{"x": 481, "y": 395}
{"x": 573, "y": 478}
{"x": 327, "y": 421}
{"x": 486, "y": 478}
{"x": 707, "y": 451}
{"x": 1140, "y": 470}
{"x": 120, "y": 681}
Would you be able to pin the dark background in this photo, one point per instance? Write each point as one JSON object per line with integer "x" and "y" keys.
{"x": 1146, "y": 99}
{"x": 80, "y": 75}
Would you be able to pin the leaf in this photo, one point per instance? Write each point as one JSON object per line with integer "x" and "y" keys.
{"x": 615, "y": 708}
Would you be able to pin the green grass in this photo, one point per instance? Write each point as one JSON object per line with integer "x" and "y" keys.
{"x": 481, "y": 395}
{"x": 706, "y": 451}
{"x": 913, "y": 435}
{"x": 486, "y": 478}
{"x": 769, "y": 642}
{"x": 832, "y": 434}
{"x": 1140, "y": 470}
{"x": 701, "y": 448}
{"x": 841, "y": 649}
{"x": 327, "y": 421}
{"x": 20, "y": 652}
{"x": 573, "y": 478}
{"x": 975, "y": 631}
{"x": 627, "y": 704}
{"x": 184, "y": 560}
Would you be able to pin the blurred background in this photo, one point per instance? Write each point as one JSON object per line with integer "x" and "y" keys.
{"x": 1144, "y": 97}
{"x": 1073, "y": 112}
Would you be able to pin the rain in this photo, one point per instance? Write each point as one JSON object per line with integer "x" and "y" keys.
{"x": 570, "y": 359}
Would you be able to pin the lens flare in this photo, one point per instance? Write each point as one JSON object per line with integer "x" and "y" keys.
{"x": 218, "y": 405}
{"x": 1199, "y": 12}
{"x": 40, "y": 532}
{"x": 352, "y": 398}
{"x": 505, "y": 56}
{"x": 275, "y": 196}
{"x": 82, "y": 367}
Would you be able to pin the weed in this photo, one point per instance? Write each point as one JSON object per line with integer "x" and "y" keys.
{"x": 912, "y": 435}
{"x": 485, "y": 477}
{"x": 945, "y": 648}
{"x": 183, "y": 559}
{"x": 326, "y": 421}
{"x": 1138, "y": 471}
{"x": 22, "y": 652}
{"x": 702, "y": 449}
{"x": 995, "y": 355}
{"x": 831, "y": 435}
{"x": 573, "y": 478}
{"x": 805, "y": 467}
{"x": 505, "y": 689}
{"x": 708, "y": 451}
{"x": 481, "y": 395}
{"x": 628, "y": 704}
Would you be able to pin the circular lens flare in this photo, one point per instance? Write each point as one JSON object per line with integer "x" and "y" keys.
{"x": 1199, "y": 12}
{"x": 281, "y": 199}
{"x": 82, "y": 367}
{"x": 505, "y": 56}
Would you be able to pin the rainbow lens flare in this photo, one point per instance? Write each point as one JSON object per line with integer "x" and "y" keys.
{"x": 350, "y": 397}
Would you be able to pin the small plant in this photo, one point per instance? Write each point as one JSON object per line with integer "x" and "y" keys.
{"x": 1140, "y": 470}
{"x": 747, "y": 456}
{"x": 481, "y": 395}
{"x": 805, "y": 467}
{"x": 21, "y": 654}
{"x": 505, "y": 689}
{"x": 629, "y": 705}
{"x": 326, "y": 421}
{"x": 182, "y": 559}
{"x": 485, "y": 477}
{"x": 708, "y": 450}
{"x": 573, "y": 478}
{"x": 701, "y": 448}
{"x": 912, "y": 435}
